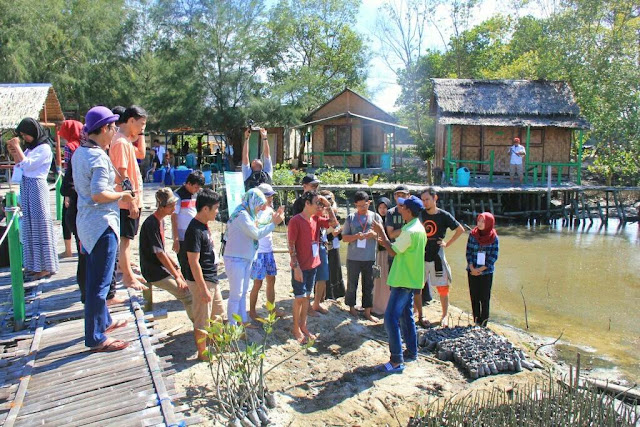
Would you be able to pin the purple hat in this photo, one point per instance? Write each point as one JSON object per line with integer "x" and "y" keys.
{"x": 413, "y": 203}
{"x": 98, "y": 117}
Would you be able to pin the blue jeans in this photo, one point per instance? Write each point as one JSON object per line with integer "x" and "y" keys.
{"x": 304, "y": 288}
{"x": 398, "y": 318}
{"x": 100, "y": 265}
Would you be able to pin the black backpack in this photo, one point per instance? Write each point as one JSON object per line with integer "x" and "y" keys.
{"x": 257, "y": 178}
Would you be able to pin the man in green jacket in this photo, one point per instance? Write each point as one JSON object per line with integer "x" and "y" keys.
{"x": 407, "y": 274}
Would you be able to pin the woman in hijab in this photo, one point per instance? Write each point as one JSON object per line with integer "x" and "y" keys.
{"x": 381, "y": 290}
{"x": 39, "y": 252}
{"x": 482, "y": 254}
{"x": 71, "y": 131}
{"x": 240, "y": 250}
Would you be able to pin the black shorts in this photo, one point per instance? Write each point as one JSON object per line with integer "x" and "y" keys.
{"x": 128, "y": 226}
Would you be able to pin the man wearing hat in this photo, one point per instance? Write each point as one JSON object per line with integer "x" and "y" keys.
{"x": 516, "y": 153}
{"x": 157, "y": 268}
{"x": 406, "y": 275}
{"x": 310, "y": 182}
{"x": 98, "y": 225}
{"x": 264, "y": 266}
{"x": 393, "y": 221}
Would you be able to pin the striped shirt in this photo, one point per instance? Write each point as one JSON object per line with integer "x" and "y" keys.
{"x": 491, "y": 254}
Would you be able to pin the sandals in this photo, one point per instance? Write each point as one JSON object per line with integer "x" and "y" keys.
{"x": 390, "y": 369}
{"x": 121, "y": 323}
{"x": 115, "y": 345}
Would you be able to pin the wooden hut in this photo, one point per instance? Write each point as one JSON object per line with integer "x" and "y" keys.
{"x": 477, "y": 117}
{"x": 36, "y": 100}
{"x": 348, "y": 131}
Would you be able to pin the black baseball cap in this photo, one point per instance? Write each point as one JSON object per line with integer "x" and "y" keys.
{"x": 310, "y": 179}
{"x": 401, "y": 189}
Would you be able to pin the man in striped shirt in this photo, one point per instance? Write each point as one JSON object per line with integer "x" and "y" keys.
{"x": 185, "y": 211}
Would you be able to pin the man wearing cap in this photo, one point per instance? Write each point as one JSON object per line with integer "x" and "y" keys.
{"x": 516, "y": 153}
{"x": 157, "y": 268}
{"x": 406, "y": 275}
{"x": 98, "y": 225}
{"x": 257, "y": 173}
{"x": 393, "y": 221}
{"x": 309, "y": 183}
{"x": 185, "y": 211}
{"x": 264, "y": 266}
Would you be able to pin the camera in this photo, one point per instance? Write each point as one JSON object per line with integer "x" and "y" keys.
{"x": 126, "y": 185}
{"x": 252, "y": 125}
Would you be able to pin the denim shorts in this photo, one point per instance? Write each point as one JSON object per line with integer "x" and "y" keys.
{"x": 264, "y": 265}
{"x": 304, "y": 288}
{"x": 323, "y": 268}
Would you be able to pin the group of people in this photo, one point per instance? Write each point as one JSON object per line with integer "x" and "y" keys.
{"x": 397, "y": 252}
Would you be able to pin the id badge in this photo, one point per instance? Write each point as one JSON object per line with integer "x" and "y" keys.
{"x": 481, "y": 258}
{"x": 336, "y": 243}
{"x": 315, "y": 249}
{"x": 362, "y": 244}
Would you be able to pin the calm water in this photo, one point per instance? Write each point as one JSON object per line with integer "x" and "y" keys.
{"x": 585, "y": 282}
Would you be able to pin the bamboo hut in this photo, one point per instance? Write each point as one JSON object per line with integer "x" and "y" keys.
{"x": 36, "y": 100}
{"x": 477, "y": 117}
{"x": 348, "y": 131}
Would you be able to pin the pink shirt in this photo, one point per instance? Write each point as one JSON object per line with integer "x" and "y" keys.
{"x": 304, "y": 233}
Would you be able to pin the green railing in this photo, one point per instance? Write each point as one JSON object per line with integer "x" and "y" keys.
{"x": 344, "y": 154}
{"x": 542, "y": 166}
{"x": 451, "y": 166}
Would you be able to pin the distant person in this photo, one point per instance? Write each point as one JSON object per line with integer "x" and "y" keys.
{"x": 381, "y": 290}
{"x": 482, "y": 254}
{"x": 361, "y": 253}
{"x": 39, "y": 239}
{"x": 202, "y": 271}
{"x": 516, "y": 153}
{"x": 310, "y": 182}
{"x": 159, "y": 150}
{"x": 242, "y": 237}
{"x": 256, "y": 173}
{"x": 437, "y": 270}
{"x": 157, "y": 267}
{"x": 71, "y": 131}
{"x": 264, "y": 265}
{"x": 167, "y": 167}
{"x": 184, "y": 212}
{"x": 406, "y": 276}
{"x": 229, "y": 164}
{"x": 303, "y": 235}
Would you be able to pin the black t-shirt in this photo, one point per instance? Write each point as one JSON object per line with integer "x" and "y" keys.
{"x": 393, "y": 219}
{"x": 436, "y": 227}
{"x": 197, "y": 238}
{"x": 151, "y": 243}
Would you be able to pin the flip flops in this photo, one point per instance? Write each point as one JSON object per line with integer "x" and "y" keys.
{"x": 390, "y": 369}
{"x": 121, "y": 323}
{"x": 115, "y": 345}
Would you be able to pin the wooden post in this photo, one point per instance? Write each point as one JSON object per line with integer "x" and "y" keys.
{"x": 148, "y": 298}
{"x": 447, "y": 155}
{"x": 491, "y": 159}
{"x": 579, "y": 171}
{"x": 527, "y": 156}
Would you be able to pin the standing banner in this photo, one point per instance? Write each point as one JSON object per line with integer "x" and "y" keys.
{"x": 234, "y": 187}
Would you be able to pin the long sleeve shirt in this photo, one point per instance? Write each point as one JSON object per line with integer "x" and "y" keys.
{"x": 37, "y": 162}
{"x": 242, "y": 236}
{"x": 490, "y": 251}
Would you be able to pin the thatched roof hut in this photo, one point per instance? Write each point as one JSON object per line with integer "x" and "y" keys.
{"x": 477, "y": 117}
{"x": 37, "y": 100}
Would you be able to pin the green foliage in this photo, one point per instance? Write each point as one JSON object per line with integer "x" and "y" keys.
{"x": 404, "y": 175}
{"x": 332, "y": 176}
{"x": 284, "y": 175}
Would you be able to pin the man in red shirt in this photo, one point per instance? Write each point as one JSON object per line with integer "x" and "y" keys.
{"x": 304, "y": 248}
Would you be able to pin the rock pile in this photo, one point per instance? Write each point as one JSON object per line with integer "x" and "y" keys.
{"x": 478, "y": 351}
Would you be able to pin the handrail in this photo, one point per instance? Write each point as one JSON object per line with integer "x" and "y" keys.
{"x": 451, "y": 166}
{"x": 344, "y": 155}
{"x": 533, "y": 166}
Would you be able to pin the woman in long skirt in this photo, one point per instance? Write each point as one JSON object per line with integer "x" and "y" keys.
{"x": 335, "y": 285}
{"x": 381, "y": 290}
{"x": 39, "y": 252}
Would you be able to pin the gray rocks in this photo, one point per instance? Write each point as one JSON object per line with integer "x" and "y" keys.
{"x": 478, "y": 351}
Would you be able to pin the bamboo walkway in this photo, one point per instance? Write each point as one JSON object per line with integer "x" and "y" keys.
{"x": 48, "y": 377}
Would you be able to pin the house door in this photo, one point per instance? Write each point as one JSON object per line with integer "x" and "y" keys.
{"x": 370, "y": 144}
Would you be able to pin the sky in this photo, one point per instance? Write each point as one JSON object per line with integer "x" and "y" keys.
{"x": 381, "y": 81}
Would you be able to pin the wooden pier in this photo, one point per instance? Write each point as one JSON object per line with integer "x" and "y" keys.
{"x": 48, "y": 377}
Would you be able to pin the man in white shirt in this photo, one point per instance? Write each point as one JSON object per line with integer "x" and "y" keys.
{"x": 516, "y": 152}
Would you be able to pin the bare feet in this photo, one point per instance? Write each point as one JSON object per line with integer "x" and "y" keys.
{"x": 115, "y": 300}
{"x": 312, "y": 313}
{"x": 42, "y": 275}
{"x": 308, "y": 334}
{"x": 249, "y": 325}
{"x": 135, "y": 282}
{"x": 320, "y": 309}
{"x": 253, "y": 315}
{"x": 353, "y": 311}
{"x": 299, "y": 336}
{"x": 371, "y": 317}
{"x": 280, "y": 313}
{"x": 444, "y": 322}
{"x": 65, "y": 255}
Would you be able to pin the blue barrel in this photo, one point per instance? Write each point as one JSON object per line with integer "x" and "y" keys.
{"x": 207, "y": 176}
{"x": 180, "y": 176}
{"x": 157, "y": 175}
{"x": 385, "y": 161}
{"x": 464, "y": 176}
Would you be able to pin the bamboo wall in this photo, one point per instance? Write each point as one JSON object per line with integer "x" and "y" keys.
{"x": 349, "y": 101}
{"x": 317, "y": 140}
{"x": 548, "y": 144}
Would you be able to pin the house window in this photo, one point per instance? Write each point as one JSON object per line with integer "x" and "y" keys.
{"x": 337, "y": 138}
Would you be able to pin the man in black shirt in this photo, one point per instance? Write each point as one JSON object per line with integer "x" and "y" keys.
{"x": 309, "y": 183}
{"x": 157, "y": 268}
{"x": 201, "y": 272}
{"x": 435, "y": 222}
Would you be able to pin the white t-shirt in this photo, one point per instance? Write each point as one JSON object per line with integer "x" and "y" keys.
{"x": 265, "y": 244}
{"x": 37, "y": 162}
{"x": 185, "y": 210}
{"x": 515, "y": 158}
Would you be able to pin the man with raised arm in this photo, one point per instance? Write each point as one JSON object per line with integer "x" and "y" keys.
{"x": 256, "y": 173}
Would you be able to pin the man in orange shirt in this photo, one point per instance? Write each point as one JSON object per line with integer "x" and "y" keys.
{"x": 123, "y": 156}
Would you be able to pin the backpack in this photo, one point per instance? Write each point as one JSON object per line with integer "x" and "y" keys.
{"x": 255, "y": 179}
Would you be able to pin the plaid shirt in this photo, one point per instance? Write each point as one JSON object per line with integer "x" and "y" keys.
{"x": 491, "y": 254}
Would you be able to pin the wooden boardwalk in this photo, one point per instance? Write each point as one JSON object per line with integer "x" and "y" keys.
{"x": 48, "y": 377}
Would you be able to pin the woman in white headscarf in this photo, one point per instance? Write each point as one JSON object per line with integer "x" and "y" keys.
{"x": 240, "y": 250}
